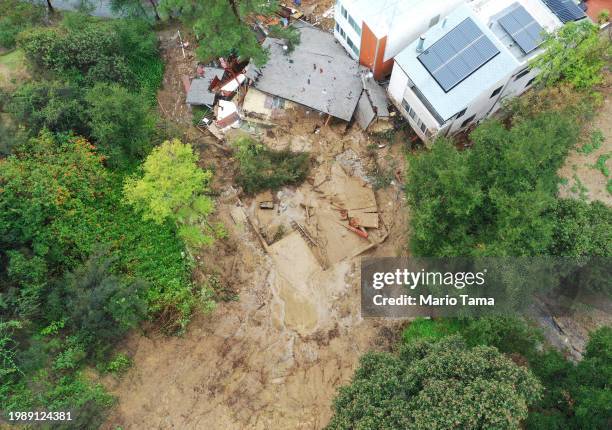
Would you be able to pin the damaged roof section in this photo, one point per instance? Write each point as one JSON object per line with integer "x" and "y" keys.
{"x": 199, "y": 93}
{"x": 317, "y": 74}
{"x": 372, "y": 103}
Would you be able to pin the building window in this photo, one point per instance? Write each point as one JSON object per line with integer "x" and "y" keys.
{"x": 467, "y": 121}
{"x": 343, "y": 12}
{"x": 460, "y": 114}
{"x": 405, "y": 105}
{"x": 354, "y": 25}
{"x": 409, "y": 109}
{"x": 496, "y": 92}
{"x": 342, "y": 33}
{"x": 352, "y": 45}
{"x": 530, "y": 82}
{"x": 337, "y": 28}
{"x": 521, "y": 74}
{"x": 423, "y": 128}
{"x": 434, "y": 21}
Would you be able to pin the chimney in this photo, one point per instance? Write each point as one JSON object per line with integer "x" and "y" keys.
{"x": 419, "y": 47}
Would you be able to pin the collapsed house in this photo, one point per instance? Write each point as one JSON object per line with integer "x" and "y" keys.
{"x": 200, "y": 93}
{"x": 317, "y": 74}
{"x": 215, "y": 88}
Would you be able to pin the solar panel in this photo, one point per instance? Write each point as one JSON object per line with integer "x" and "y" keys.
{"x": 458, "y": 54}
{"x": 566, "y": 10}
{"x": 522, "y": 27}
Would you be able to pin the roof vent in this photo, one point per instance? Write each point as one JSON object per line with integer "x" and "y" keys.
{"x": 419, "y": 47}
{"x": 444, "y": 22}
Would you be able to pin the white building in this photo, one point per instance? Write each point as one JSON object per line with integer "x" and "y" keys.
{"x": 461, "y": 69}
{"x": 374, "y": 31}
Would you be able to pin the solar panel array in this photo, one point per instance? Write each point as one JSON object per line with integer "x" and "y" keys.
{"x": 522, "y": 27}
{"x": 458, "y": 54}
{"x": 566, "y": 10}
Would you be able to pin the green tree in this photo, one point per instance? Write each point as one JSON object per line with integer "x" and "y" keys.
{"x": 592, "y": 387}
{"x": 100, "y": 305}
{"x": 222, "y": 26}
{"x": 52, "y": 105}
{"x": 581, "y": 229}
{"x": 121, "y": 123}
{"x": 575, "y": 53}
{"x": 493, "y": 198}
{"x": 46, "y": 186}
{"x": 436, "y": 385}
{"x": 173, "y": 187}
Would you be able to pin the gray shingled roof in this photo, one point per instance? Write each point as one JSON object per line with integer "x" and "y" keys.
{"x": 318, "y": 73}
{"x": 198, "y": 93}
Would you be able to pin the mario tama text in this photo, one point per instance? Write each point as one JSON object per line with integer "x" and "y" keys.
{"x": 411, "y": 288}
{"x": 405, "y": 287}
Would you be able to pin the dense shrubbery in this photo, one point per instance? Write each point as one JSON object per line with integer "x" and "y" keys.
{"x": 260, "y": 168}
{"x": 101, "y": 83}
{"x": 91, "y": 51}
{"x": 78, "y": 266}
{"x": 491, "y": 199}
{"x": 16, "y": 16}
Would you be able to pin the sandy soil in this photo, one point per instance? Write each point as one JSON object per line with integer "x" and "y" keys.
{"x": 275, "y": 358}
{"x": 581, "y": 176}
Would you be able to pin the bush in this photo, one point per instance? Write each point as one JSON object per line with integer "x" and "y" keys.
{"x": 16, "y": 16}
{"x": 119, "y": 364}
{"x": 100, "y": 306}
{"x": 581, "y": 229}
{"x": 122, "y": 123}
{"x": 51, "y": 105}
{"x": 117, "y": 51}
{"x": 260, "y": 168}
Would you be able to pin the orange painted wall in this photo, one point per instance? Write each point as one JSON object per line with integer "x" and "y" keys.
{"x": 367, "y": 50}
{"x": 372, "y": 52}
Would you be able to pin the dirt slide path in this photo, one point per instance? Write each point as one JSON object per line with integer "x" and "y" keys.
{"x": 272, "y": 360}
{"x": 275, "y": 358}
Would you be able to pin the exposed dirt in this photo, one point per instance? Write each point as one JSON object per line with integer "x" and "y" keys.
{"x": 583, "y": 179}
{"x": 275, "y": 358}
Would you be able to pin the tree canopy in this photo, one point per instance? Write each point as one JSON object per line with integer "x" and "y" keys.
{"x": 436, "y": 385}
{"x": 490, "y": 199}
{"x": 121, "y": 122}
{"x": 173, "y": 187}
{"x": 575, "y": 53}
{"x": 223, "y": 27}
